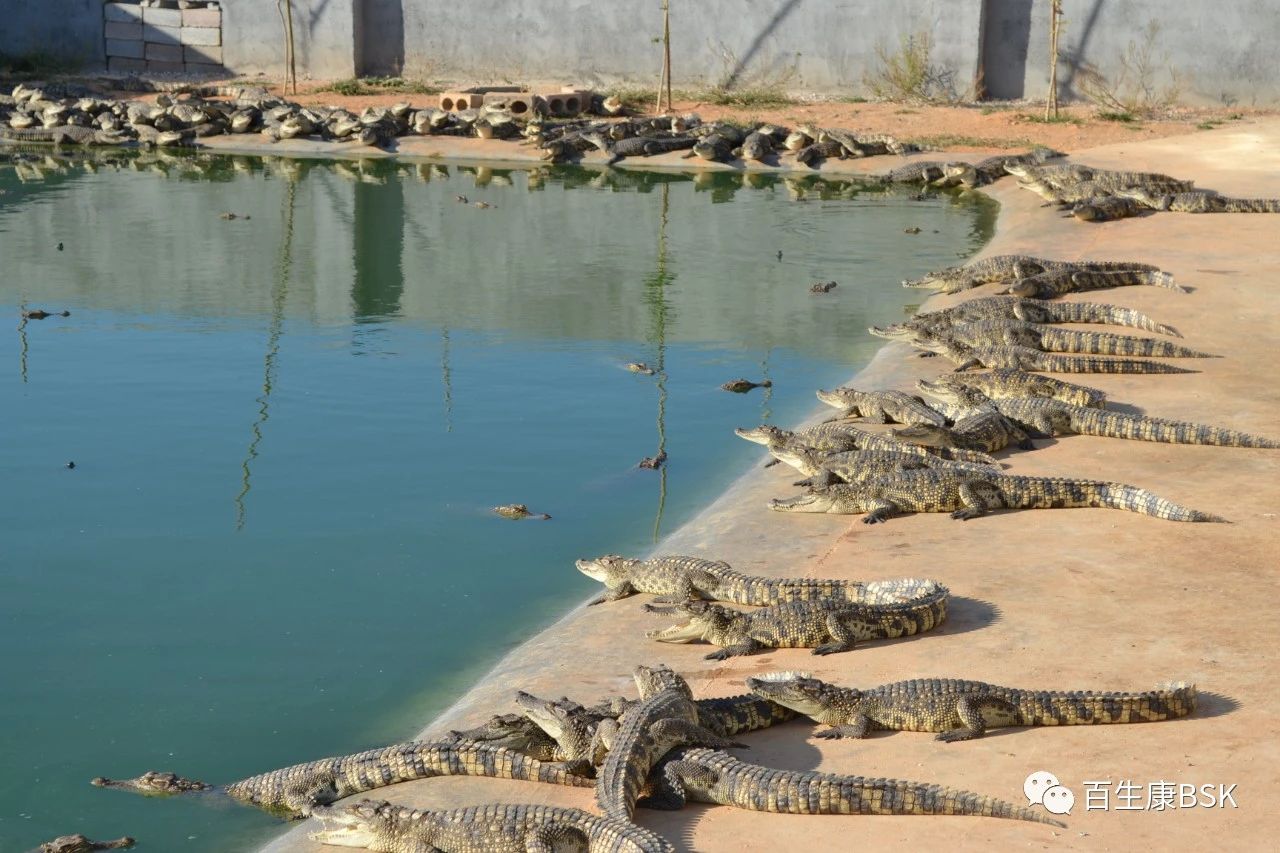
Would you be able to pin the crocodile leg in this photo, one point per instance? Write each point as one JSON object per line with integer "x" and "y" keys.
{"x": 616, "y": 593}
{"x": 746, "y": 647}
{"x": 881, "y": 510}
{"x": 976, "y": 503}
{"x": 969, "y": 710}
{"x": 690, "y": 734}
{"x": 858, "y": 729}
{"x": 555, "y": 838}
{"x": 842, "y": 639}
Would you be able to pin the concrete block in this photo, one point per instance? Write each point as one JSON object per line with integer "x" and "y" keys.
{"x": 127, "y": 48}
{"x": 566, "y": 103}
{"x": 519, "y": 103}
{"x": 162, "y": 17}
{"x": 129, "y": 13}
{"x": 159, "y": 67}
{"x": 202, "y": 18}
{"x": 126, "y": 64}
{"x": 161, "y": 35}
{"x": 164, "y": 52}
{"x": 118, "y": 30}
{"x": 206, "y": 69}
{"x": 460, "y": 100}
{"x": 202, "y": 35}
{"x": 202, "y": 53}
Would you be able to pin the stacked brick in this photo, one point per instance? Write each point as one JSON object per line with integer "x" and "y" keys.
{"x": 157, "y": 40}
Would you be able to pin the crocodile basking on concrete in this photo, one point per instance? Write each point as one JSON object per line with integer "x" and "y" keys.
{"x": 296, "y": 790}
{"x": 1036, "y": 311}
{"x": 968, "y": 496}
{"x": 1107, "y": 209}
{"x": 1009, "y": 268}
{"x": 840, "y": 437}
{"x": 1026, "y": 358}
{"x": 665, "y": 718}
{"x": 1003, "y": 383}
{"x": 676, "y": 578}
{"x": 711, "y": 776}
{"x": 1054, "y": 283}
{"x": 996, "y": 333}
{"x": 1199, "y": 201}
{"x": 826, "y": 627}
{"x": 856, "y": 466}
{"x": 987, "y": 430}
{"x": 881, "y": 407}
{"x": 962, "y": 710}
{"x": 499, "y": 828}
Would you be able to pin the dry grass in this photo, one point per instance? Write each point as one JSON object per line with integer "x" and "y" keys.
{"x": 1135, "y": 91}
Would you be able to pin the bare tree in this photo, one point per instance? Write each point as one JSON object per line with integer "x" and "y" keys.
{"x": 285, "y": 8}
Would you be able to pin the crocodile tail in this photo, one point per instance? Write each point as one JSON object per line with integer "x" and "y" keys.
{"x": 1088, "y": 364}
{"x": 1133, "y": 499}
{"x": 959, "y": 454}
{"x": 1112, "y": 315}
{"x": 949, "y": 801}
{"x": 1252, "y": 205}
{"x": 1088, "y": 707}
{"x": 1140, "y": 428}
{"x": 1103, "y": 343}
{"x": 1158, "y": 278}
{"x": 820, "y": 793}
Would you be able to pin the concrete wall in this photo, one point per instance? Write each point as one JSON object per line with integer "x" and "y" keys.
{"x": 324, "y": 37}
{"x": 69, "y": 30}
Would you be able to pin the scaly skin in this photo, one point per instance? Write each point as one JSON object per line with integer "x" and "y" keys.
{"x": 923, "y": 171}
{"x": 1055, "y": 283}
{"x": 837, "y": 438}
{"x": 972, "y": 496}
{"x": 1038, "y": 311}
{"x": 676, "y": 578}
{"x": 665, "y": 718}
{"x": 825, "y": 627}
{"x": 856, "y": 466}
{"x": 1198, "y": 201}
{"x": 1054, "y": 339}
{"x": 1051, "y": 417}
{"x": 1106, "y": 209}
{"x": 1008, "y": 268}
{"x": 64, "y": 135}
{"x": 82, "y": 844}
{"x": 711, "y": 776}
{"x": 1026, "y": 358}
{"x": 826, "y": 150}
{"x": 986, "y": 430}
{"x": 962, "y": 710}
{"x": 992, "y": 168}
{"x": 384, "y": 828}
{"x": 297, "y": 789}
{"x": 881, "y": 407}
{"x": 514, "y": 732}
{"x": 1005, "y": 383}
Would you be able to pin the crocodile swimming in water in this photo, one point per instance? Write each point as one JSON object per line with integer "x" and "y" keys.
{"x": 296, "y": 790}
{"x": 82, "y": 844}
{"x": 1008, "y": 268}
{"x": 711, "y": 776}
{"x": 498, "y": 828}
{"x": 962, "y": 710}
{"x": 967, "y": 496}
{"x": 881, "y": 406}
{"x": 826, "y": 627}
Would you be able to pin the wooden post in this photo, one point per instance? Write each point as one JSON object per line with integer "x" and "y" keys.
{"x": 285, "y": 8}
{"x": 664, "y": 80}
{"x": 1055, "y": 23}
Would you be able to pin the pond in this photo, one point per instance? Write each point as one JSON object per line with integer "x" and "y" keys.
{"x": 288, "y": 429}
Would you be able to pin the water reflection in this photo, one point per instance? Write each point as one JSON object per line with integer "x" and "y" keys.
{"x": 655, "y": 296}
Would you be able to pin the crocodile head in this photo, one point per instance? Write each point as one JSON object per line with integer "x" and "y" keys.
{"x": 841, "y": 398}
{"x": 552, "y": 716}
{"x": 763, "y": 434}
{"x": 503, "y": 728}
{"x": 835, "y": 500}
{"x": 153, "y": 783}
{"x": 894, "y": 332}
{"x": 941, "y": 280}
{"x": 951, "y": 389}
{"x": 611, "y": 569}
{"x": 804, "y": 459}
{"x": 365, "y": 824}
{"x": 705, "y": 621}
{"x": 651, "y": 680}
{"x": 796, "y": 690}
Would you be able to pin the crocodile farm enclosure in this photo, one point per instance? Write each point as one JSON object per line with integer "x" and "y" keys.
{"x": 846, "y": 450}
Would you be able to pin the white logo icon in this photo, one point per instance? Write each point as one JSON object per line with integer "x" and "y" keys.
{"x": 1037, "y": 784}
{"x": 1059, "y": 800}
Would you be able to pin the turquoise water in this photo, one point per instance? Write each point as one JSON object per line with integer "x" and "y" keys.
{"x": 288, "y": 429}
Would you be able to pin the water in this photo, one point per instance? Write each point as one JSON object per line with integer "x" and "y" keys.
{"x": 288, "y": 430}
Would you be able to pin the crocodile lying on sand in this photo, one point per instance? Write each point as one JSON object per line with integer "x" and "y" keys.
{"x": 882, "y": 407}
{"x": 987, "y": 430}
{"x": 1009, "y": 268}
{"x": 1107, "y": 209}
{"x": 962, "y": 710}
{"x": 999, "y": 332}
{"x": 1199, "y": 201}
{"x": 1003, "y": 383}
{"x": 676, "y": 578}
{"x": 712, "y": 776}
{"x": 82, "y": 844}
{"x": 825, "y": 627}
{"x": 1054, "y": 283}
{"x": 665, "y": 718}
{"x": 1026, "y": 358}
{"x": 969, "y": 496}
{"x": 295, "y": 790}
{"x": 839, "y": 437}
{"x": 384, "y": 828}
{"x": 1032, "y": 310}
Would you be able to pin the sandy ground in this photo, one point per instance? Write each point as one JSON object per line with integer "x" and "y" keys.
{"x": 1061, "y": 599}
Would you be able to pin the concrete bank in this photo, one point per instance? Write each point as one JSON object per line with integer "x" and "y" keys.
{"x": 1069, "y": 599}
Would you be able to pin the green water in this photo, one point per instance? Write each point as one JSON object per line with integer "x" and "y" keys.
{"x": 288, "y": 429}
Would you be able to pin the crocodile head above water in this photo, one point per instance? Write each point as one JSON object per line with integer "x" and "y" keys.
{"x": 795, "y": 690}
{"x": 153, "y": 783}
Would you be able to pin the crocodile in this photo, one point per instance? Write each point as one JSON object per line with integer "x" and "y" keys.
{"x": 82, "y": 844}
{"x": 963, "y": 710}
{"x": 742, "y": 386}
{"x": 1074, "y": 173}
{"x": 986, "y": 430}
{"x": 1032, "y": 310}
{"x": 756, "y": 146}
{"x": 881, "y": 406}
{"x": 825, "y": 150}
{"x": 40, "y": 314}
{"x": 856, "y": 466}
{"x": 858, "y": 144}
{"x": 972, "y": 175}
{"x": 968, "y": 496}
{"x": 678, "y": 578}
{"x": 665, "y": 718}
{"x": 826, "y": 627}
{"x": 1048, "y": 285}
{"x": 823, "y": 287}
{"x": 640, "y": 367}
{"x": 63, "y": 135}
{"x": 1200, "y": 201}
{"x": 647, "y": 146}
{"x": 921, "y": 171}
{"x": 712, "y": 776}
{"x": 1055, "y": 339}
{"x": 839, "y": 437}
{"x": 511, "y": 731}
{"x": 519, "y": 511}
{"x": 714, "y": 146}
{"x": 1004, "y": 382}
{"x": 497, "y": 828}
{"x": 295, "y": 790}
{"x": 1106, "y": 209}
{"x": 1008, "y": 268}
{"x": 1026, "y": 358}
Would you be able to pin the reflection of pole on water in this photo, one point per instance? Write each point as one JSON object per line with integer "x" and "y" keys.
{"x": 656, "y": 296}
{"x": 765, "y": 412}
{"x": 279, "y": 292}
{"x": 445, "y": 379}
{"x": 22, "y": 344}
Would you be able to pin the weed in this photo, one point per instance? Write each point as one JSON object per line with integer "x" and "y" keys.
{"x": 1134, "y": 91}
{"x": 909, "y": 73}
{"x": 1125, "y": 116}
{"x": 380, "y": 86}
{"x": 951, "y": 140}
{"x": 1058, "y": 119}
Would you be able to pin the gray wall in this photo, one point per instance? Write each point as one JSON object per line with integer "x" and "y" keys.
{"x": 66, "y": 29}
{"x": 324, "y": 37}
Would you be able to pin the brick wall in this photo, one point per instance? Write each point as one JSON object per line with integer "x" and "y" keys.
{"x": 156, "y": 39}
